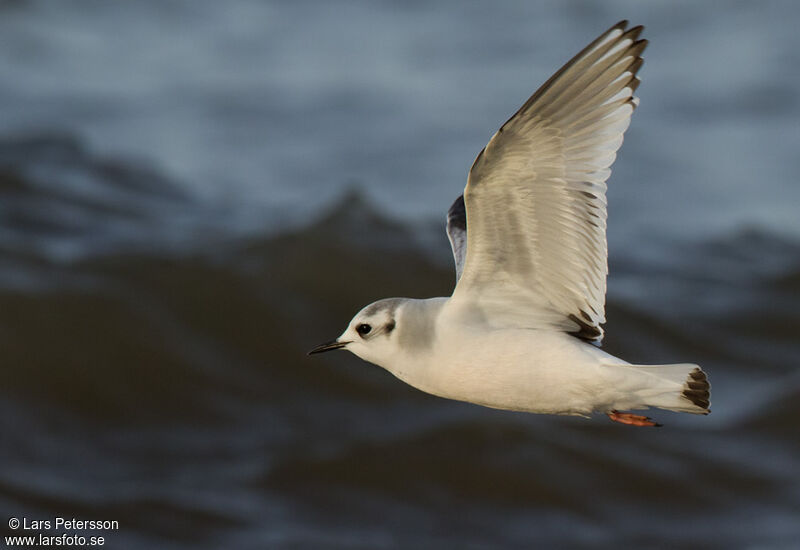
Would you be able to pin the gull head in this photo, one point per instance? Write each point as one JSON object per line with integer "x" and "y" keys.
{"x": 371, "y": 334}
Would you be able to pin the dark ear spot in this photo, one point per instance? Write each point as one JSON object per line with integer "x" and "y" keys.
{"x": 390, "y": 326}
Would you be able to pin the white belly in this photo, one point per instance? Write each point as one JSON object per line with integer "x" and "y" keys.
{"x": 539, "y": 371}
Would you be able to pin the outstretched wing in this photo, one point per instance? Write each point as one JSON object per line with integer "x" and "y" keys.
{"x": 535, "y": 198}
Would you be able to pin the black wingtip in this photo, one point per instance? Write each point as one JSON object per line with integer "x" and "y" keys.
{"x": 634, "y": 32}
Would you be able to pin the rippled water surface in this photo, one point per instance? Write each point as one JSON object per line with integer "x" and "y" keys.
{"x": 193, "y": 194}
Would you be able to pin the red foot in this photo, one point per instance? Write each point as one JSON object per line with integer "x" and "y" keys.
{"x": 631, "y": 419}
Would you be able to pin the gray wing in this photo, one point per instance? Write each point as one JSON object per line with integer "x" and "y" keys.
{"x": 457, "y": 233}
{"x": 535, "y": 198}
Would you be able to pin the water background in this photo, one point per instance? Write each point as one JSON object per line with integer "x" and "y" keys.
{"x": 192, "y": 194}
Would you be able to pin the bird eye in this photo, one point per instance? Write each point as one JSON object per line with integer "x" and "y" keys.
{"x": 363, "y": 329}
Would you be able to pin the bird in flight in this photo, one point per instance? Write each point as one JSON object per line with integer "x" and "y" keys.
{"x": 522, "y": 328}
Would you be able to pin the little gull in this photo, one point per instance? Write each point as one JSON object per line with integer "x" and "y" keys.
{"x": 523, "y": 326}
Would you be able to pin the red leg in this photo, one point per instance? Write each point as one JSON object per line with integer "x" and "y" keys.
{"x": 631, "y": 419}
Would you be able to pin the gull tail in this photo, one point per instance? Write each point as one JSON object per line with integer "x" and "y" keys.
{"x": 681, "y": 387}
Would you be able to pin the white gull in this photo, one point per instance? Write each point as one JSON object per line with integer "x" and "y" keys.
{"x": 523, "y": 326}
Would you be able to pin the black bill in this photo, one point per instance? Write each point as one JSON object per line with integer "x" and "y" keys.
{"x": 328, "y": 346}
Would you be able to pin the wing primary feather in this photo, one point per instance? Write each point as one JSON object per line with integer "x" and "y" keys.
{"x": 544, "y": 87}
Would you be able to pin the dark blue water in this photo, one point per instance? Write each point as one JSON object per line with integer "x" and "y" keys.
{"x": 192, "y": 194}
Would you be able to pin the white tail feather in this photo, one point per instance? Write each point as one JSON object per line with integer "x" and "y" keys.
{"x": 680, "y": 387}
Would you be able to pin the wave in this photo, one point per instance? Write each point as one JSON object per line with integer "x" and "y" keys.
{"x": 192, "y": 363}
